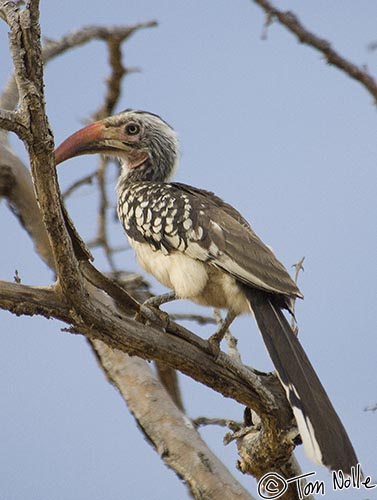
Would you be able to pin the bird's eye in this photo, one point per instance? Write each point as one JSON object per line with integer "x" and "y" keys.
{"x": 132, "y": 129}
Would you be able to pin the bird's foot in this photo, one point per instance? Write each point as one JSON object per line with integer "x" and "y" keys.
{"x": 152, "y": 315}
{"x": 214, "y": 344}
{"x": 150, "y": 311}
{"x": 215, "y": 340}
{"x": 158, "y": 300}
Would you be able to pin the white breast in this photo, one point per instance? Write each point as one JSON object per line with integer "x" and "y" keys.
{"x": 186, "y": 276}
{"x": 192, "y": 279}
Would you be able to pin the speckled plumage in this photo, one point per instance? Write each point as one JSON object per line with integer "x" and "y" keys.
{"x": 202, "y": 248}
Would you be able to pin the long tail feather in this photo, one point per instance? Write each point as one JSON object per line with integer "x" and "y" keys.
{"x": 324, "y": 437}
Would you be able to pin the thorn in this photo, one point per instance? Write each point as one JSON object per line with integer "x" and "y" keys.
{"x": 371, "y": 408}
{"x": 267, "y": 23}
{"x": 299, "y": 265}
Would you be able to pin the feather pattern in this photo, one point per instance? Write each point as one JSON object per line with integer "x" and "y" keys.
{"x": 324, "y": 437}
{"x": 178, "y": 217}
{"x": 198, "y": 245}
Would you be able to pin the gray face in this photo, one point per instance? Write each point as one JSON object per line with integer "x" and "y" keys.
{"x": 146, "y": 145}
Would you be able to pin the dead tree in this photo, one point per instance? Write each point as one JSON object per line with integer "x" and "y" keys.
{"x": 106, "y": 309}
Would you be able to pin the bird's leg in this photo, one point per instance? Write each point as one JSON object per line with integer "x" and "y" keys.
{"x": 158, "y": 300}
{"x": 150, "y": 308}
{"x": 215, "y": 339}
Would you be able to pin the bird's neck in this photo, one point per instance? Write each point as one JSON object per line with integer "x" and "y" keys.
{"x": 153, "y": 170}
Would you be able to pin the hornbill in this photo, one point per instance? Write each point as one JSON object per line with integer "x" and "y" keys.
{"x": 204, "y": 250}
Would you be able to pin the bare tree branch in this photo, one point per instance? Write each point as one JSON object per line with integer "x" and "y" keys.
{"x": 371, "y": 408}
{"x": 24, "y": 42}
{"x": 101, "y": 238}
{"x": 54, "y": 47}
{"x": 47, "y": 301}
{"x": 21, "y": 299}
{"x": 88, "y": 179}
{"x": 144, "y": 341}
{"x": 208, "y": 477}
{"x": 17, "y": 187}
{"x": 113, "y": 35}
{"x": 79, "y": 300}
{"x": 176, "y": 346}
{"x": 294, "y": 25}
{"x": 85, "y": 34}
{"x": 11, "y": 121}
{"x": 114, "y": 39}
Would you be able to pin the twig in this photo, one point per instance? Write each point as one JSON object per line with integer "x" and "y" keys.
{"x": 239, "y": 434}
{"x": 168, "y": 430}
{"x": 371, "y": 408}
{"x": 9, "y": 99}
{"x": 182, "y": 350}
{"x": 54, "y": 47}
{"x": 88, "y": 179}
{"x": 100, "y": 319}
{"x": 118, "y": 71}
{"x": 85, "y": 34}
{"x": 201, "y": 320}
{"x": 25, "y": 47}
{"x": 298, "y": 267}
{"x": 229, "y": 338}
{"x": 222, "y": 422}
{"x": 13, "y": 121}
{"x": 102, "y": 234}
{"x": 114, "y": 81}
{"x": 293, "y": 24}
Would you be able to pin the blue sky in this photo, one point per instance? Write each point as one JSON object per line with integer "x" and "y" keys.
{"x": 270, "y": 127}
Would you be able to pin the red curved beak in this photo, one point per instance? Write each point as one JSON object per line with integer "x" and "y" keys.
{"x": 85, "y": 141}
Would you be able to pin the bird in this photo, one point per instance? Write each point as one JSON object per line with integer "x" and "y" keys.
{"x": 204, "y": 250}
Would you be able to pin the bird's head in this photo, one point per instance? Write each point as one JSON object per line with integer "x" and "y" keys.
{"x": 146, "y": 145}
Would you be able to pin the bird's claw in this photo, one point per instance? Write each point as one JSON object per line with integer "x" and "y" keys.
{"x": 215, "y": 340}
{"x": 152, "y": 314}
{"x": 214, "y": 344}
{"x": 150, "y": 311}
{"x": 157, "y": 300}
